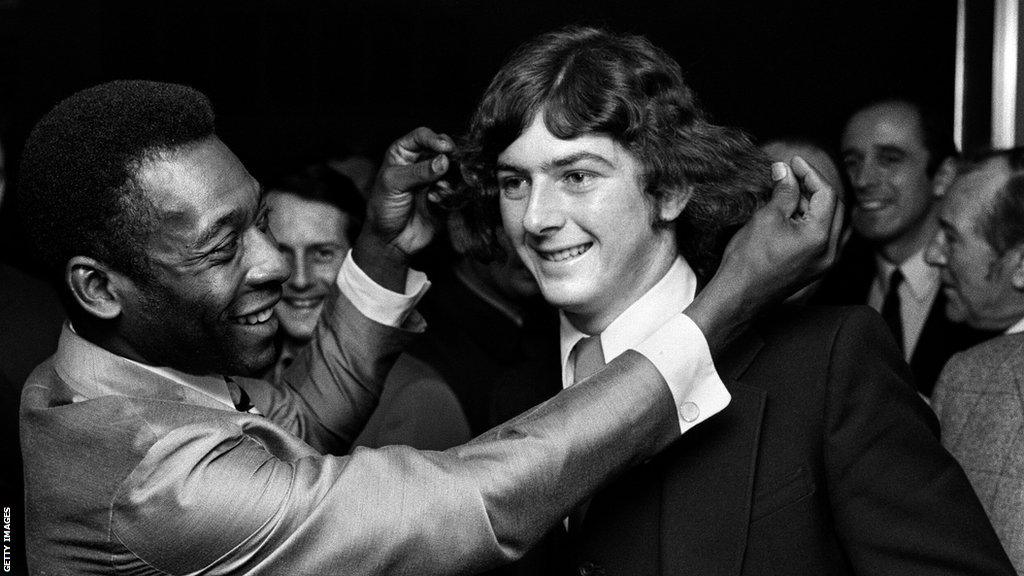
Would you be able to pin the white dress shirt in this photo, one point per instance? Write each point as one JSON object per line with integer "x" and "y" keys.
{"x": 655, "y": 326}
{"x": 917, "y": 294}
{"x": 1018, "y": 327}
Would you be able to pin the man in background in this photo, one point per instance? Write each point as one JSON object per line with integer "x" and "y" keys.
{"x": 979, "y": 399}
{"x": 899, "y": 157}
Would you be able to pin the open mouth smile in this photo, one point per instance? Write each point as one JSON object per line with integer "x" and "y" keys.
{"x": 566, "y": 254}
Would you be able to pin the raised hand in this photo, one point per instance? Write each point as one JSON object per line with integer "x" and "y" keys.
{"x": 397, "y": 222}
{"x": 786, "y": 244}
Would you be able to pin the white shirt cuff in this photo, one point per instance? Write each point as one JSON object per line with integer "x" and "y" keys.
{"x": 679, "y": 351}
{"x": 378, "y": 303}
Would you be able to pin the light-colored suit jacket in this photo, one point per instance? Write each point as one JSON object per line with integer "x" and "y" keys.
{"x": 131, "y": 473}
{"x": 980, "y": 403}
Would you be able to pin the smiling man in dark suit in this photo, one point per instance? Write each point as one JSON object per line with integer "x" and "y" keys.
{"x": 619, "y": 195}
{"x": 899, "y": 157}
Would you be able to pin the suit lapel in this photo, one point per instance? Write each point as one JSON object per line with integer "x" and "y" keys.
{"x": 687, "y": 510}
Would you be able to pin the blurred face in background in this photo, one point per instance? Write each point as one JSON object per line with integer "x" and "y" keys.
{"x": 982, "y": 287}
{"x": 311, "y": 235}
{"x": 886, "y": 161}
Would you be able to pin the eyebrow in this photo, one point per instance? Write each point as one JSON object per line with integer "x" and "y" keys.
{"x": 560, "y": 162}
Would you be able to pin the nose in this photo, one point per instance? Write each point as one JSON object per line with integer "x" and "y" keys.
{"x": 265, "y": 263}
{"x": 864, "y": 175}
{"x": 935, "y": 252}
{"x": 300, "y": 278}
{"x": 544, "y": 210}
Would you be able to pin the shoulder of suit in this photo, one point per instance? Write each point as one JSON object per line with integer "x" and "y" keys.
{"x": 789, "y": 319}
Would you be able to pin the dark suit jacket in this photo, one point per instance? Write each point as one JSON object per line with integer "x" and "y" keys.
{"x": 849, "y": 282}
{"x": 825, "y": 462}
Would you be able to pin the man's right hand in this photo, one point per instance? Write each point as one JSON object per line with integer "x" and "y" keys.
{"x": 786, "y": 244}
{"x": 397, "y": 223}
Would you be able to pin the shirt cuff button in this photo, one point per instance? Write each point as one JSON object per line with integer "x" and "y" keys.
{"x": 689, "y": 411}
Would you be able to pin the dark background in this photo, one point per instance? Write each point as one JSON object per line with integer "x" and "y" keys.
{"x": 294, "y": 80}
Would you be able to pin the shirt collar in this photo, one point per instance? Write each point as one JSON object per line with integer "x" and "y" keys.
{"x": 94, "y": 372}
{"x": 1018, "y": 327}
{"x": 670, "y": 295}
{"x": 921, "y": 279}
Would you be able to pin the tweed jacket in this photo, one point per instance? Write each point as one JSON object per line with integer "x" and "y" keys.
{"x": 128, "y": 472}
{"x": 980, "y": 403}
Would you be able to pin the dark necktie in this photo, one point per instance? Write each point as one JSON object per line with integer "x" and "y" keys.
{"x": 240, "y": 397}
{"x": 588, "y": 360}
{"x": 891, "y": 307}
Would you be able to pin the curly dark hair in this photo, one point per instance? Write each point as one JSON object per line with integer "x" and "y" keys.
{"x": 78, "y": 190}
{"x": 588, "y": 80}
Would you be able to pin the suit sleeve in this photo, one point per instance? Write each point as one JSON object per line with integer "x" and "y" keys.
{"x": 902, "y": 504}
{"x": 327, "y": 394}
{"x": 252, "y": 503}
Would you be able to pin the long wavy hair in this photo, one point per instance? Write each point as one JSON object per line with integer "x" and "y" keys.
{"x": 591, "y": 81}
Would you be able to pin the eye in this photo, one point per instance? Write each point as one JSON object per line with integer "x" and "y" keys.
{"x": 324, "y": 255}
{"x": 890, "y": 158}
{"x": 578, "y": 179}
{"x": 225, "y": 251}
{"x": 513, "y": 187}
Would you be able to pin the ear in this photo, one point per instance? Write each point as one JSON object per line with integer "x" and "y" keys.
{"x": 671, "y": 205}
{"x": 943, "y": 177}
{"x": 97, "y": 288}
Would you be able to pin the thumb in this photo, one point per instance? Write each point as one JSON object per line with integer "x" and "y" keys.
{"x": 412, "y": 176}
{"x": 786, "y": 192}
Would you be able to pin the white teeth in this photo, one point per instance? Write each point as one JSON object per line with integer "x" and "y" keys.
{"x": 257, "y": 318}
{"x": 303, "y": 302}
{"x": 566, "y": 254}
{"x": 871, "y": 204}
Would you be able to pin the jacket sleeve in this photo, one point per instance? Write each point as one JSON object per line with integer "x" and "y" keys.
{"x": 251, "y": 503}
{"x": 902, "y": 504}
{"x": 329, "y": 391}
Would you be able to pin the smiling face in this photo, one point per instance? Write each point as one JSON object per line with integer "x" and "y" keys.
{"x": 886, "y": 160}
{"x": 979, "y": 283}
{"x": 311, "y": 236}
{"x": 216, "y": 274}
{"x": 577, "y": 215}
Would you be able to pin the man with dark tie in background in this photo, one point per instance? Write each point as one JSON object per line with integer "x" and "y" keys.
{"x": 900, "y": 157}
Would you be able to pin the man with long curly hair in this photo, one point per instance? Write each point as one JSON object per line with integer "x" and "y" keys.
{"x": 620, "y": 195}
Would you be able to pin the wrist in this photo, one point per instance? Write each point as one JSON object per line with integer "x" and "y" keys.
{"x": 385, "y": 264}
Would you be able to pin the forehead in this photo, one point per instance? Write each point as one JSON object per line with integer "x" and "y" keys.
{"x": 197, "y": 185}
{"x": 294, "y": 218}
{"x": 973, "y": 192}
{"x": 538, "y": 148}
{"x": 892, "y": 124}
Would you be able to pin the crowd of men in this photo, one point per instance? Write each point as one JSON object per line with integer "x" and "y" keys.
{"x": 604, "y": 380}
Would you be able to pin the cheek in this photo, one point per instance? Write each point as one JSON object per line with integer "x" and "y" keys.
{"x": 327, "y": 273}
{"x": 512, "y": 219}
